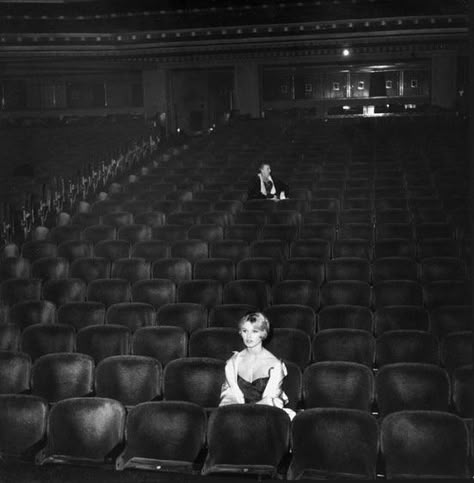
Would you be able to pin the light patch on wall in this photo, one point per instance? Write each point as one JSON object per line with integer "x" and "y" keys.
{"x": 284, "y": 89}
{"x": 336, "y": 86}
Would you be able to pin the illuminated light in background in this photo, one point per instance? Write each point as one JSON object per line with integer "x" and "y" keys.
{"x": 346, "y": 108}
{"x": 346, "y": 52}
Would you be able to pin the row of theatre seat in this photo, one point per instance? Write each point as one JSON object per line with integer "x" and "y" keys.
{"x": 237, "y": 439}
{"x": 134, "y": 379}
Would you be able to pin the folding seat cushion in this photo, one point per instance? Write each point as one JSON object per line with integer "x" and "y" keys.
{"x": 437, "y": 247}
{"x": 191, "y": 250}
{"x": 362, "y": 231}
{"x": 250, "y": 217}
{"x": 311, "y": 247}
{"x": 131, "y": 314}
{"x": 234, "y": 250}
{"x": 424, "y": 444}
{"x": 346, "y": 292}
{"x": 112, "y": 249}
{"x": 164, "y": 436}
{"x": 61, "y": 291}
{"x": 83, "y": 430}
{"x": 40, "y": 339}
{"x": 97, "y": 233}
{"x": 118, "y": 219}
{"x": 447, "y": 292}
{"x": 323, "y": 231}
{"x": 62, "y": 375}
{"x": 10, "y": 335}
{"x": 333, "y": 442}
{"x": 215, "y": 342}
{"x": 15, "y": 372}
{"x": 259, "y": 268}
{"x": 397, "y": 292}
{"x": 245, "y": 232}
{"x": 304, "y": 268}
{"x": 394, "y": 268}
{"x": 206, "y": 292}
{"x": 247, "y": 439}
{"x": 220, "y": 218}
{"x": 29, "y": 312}
{"x": 443, "y": 268}
{"x": 90, "y": 268}
{"x": 101, "y": 341}
{"x": 394, "y": 247}
{"x": 292, "y": 316}
{"x": 252, "y": 292}
{"x": 352, "y": 247}
{"x": 277, "y": 249}
{"x": 463, "y": 391}
{"x": 406, "y": 346}
{"x": 109, "y": 291}
{"x": 401, "y": 317}
{"x": 384, "y": 231}
{"x": 23, "y": 419}
{"x": 338, "y": 384}
{"x": 220, "y": 269}
{"x": 450, "y": 318}
{"x": 150, "y": 250}
{"x": 411, "y": 385}
{"x": 194, "y": 379}
{"x": 170, "y": 232}
{"x": 345, "y": 317}
{"x": 164, "y": 343}
{"x": 130, "y": 379}
{"x": 131, "y": 269}
{"x": 228, "y": 315}
{"x": 302, "y": 292}
{"x": 34, "y": 249}
{"x": 81, "y": 314}
{"x": 348, "y": 268}
{"x": 175, "y": 269}
{"x": 74, "y": 249}
{"x": 456, "y": 350}
{"x": 292, "y": 345}
{"x": 352, "y": 345}
{"x": 16, "y": 290}
{"x": 14, "y": 267}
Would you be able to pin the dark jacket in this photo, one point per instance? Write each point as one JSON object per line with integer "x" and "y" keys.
{"x": 255, "y": 193}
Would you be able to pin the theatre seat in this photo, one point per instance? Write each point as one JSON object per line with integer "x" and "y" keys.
{"x": 424, "y": 444}
{"x": 228, "y": 315}
{"x": 129, "y": 379}
{"x": 164, "y": 343}
{"x": 345, "y": 317}
{"x": 131, "y": 314}
{"x": 215, "y": 342}
{"x": 40, "y": 339}
{"x": 247, "y": 439}
{"x": 166, "y": 436}
{"x": 194, "y": 379}
{"x": 30, "y": 312}
{"x": 90, "y": 268}
{"x": 14, "y": 267}
{"x": 291, "y": 316}
{"x": 60, "y": 376}
{"x": 81, "y": 314}
{"x": 16, "y": 290}
{"x": 15, "y": 372}
{"x": 331, "y": 443}
{"x": 401, "y": 317}
{"x": 84, "y": 431}
{"x": 23, "y": 419}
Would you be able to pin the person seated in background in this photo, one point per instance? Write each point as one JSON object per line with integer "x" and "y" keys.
{"x": 254, "y": 375}
{"x": 263, "y": 186}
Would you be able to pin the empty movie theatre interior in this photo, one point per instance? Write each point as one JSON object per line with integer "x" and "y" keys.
{"x": 235, "y": 240}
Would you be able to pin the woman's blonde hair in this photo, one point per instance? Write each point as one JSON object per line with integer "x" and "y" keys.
{"x": 257, "y": 319}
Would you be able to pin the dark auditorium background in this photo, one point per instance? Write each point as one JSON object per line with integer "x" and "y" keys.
{"x": 129, "y": 132}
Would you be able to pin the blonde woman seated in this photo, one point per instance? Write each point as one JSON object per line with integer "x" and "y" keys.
{"x": 255, "y": 375}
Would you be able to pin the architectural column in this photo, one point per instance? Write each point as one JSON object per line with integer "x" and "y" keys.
{"x": 443, "y": 79}
{"x": 246, "y": 85}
